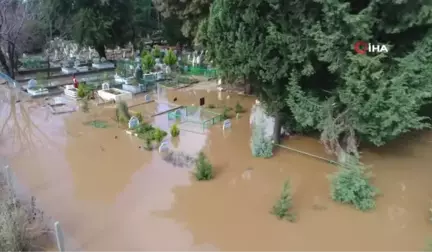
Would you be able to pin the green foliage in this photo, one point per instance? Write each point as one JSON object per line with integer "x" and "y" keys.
{"x": 282, "y": 208}
{"x": 98, "y": 124}
{"x": 83, "y": 91}
{"x": 379, "y": 96}
{"x": 203, "y": 168}
{"x": 184, "y": 16}
{"x": 148, "y": 62}
{"x": 122, "y": 112}
{"x": 156, "y": 52}
{"x": 170, "y": 58}
{"x": 211, "y": 106}
{"x": 139, "y": 116}
{"x": 261, "y": 146}
{"x": 148, "y": 144}
{"x": 175, "y": 131}
{"x": 41, "y": 79}
{"x": 225, "y": 113}
{"x": 352, "y": 185}
{"x": 239, "y": 108}
{"x": 158, "y": 135}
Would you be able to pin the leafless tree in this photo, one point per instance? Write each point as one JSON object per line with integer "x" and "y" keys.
{"x": 14, "y": 15}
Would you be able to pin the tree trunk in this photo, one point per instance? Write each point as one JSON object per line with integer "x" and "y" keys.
{"x": 277, "y": 128}
{"x": 12, "y": 65}
{"x": 3, "y": 62}
{"x": 100, "y": 49}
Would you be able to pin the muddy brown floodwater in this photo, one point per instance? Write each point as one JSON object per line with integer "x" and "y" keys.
{"x": 110, "y": 194}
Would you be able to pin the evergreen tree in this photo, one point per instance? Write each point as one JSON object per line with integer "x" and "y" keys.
{"x": 299, "y": 58}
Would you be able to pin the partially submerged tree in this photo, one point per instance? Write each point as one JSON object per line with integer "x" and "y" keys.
{"x": 14, "y": 16}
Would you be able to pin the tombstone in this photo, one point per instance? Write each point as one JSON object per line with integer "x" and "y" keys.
{"x": 147, "y": 98}
{"x": 202, "y": 101}
{"x": 133, "y": 122}
{"x": 105, "y": 86}
{"x": 59, "y": 236}
{"x": 226, "y": 124}
{"x": 163, "y": 147}
{"x": 31, "y": 83}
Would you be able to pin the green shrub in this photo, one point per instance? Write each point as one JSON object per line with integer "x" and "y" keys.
{"x": 175, "y": 131}
{"x": 158, "y": 135}
{"x": 284, "y": 204}
{"x": 261, "y": 145}
{"x": 82, "y": 91}
{"x": 351, "y": 185}
{"x": 225, "y": 113}
{"x": 156, "y": 52}
{"x": 122, "y": 112}
{"x": 148, "y": 62}
{"x": 148, "y": 144}
{"x": 239, "y": 108}
{"x": 170, "y": 58}
{"x": 203, "y": 168}
{"x": 140, "y": 117}
{"x": 211, "y": 106}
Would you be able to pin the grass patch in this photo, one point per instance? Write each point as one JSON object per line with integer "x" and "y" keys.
{"x": 98, "y": 124}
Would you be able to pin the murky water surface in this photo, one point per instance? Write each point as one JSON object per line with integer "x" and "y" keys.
{"x": 110, "y": 194}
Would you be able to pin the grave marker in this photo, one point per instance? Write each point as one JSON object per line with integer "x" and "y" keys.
{"x": 226, "y": 124}
{"x": 133, "y": 122}
{"x": 59, "y": 236}
{"x": 105, "y": 86}
{"x": 31, "y": 83}
{"x": 163, "y": 147}
{"x": 147, "y": 98}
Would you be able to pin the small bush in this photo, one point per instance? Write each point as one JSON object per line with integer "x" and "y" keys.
{"x": 175, "y": 131}
{"x": 261, "y": 145}
{"x": 211, "y": 106}
{"x": 170, "y": 58}
{"x": 148, "y": 144}
{"x": 203, "y": 168}
{"x": 140, "y": 117}
{"x": 351, "y": 185}
{"x": 158, "y": 135}
{"x": 122, "y": 112}
{"x": 284, "y": 204}
{"x": 225, "y": 113}
{"x": 239, "y": 108}
{"x": 148, "y": 62}
{"x": 22, "y": 225}
{"x": 156, "y": 52}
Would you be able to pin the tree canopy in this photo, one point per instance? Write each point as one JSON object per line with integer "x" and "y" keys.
{"x": 299, "y": 57}
{"x": 189, "y": 13}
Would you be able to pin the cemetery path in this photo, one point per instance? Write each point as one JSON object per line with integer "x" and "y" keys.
{"x": 110, "y": 194}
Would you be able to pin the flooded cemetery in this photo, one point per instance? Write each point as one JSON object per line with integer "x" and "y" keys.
{"x": 113, "y": 160}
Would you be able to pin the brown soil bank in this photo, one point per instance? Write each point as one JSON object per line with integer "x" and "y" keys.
{"x": 109, "y": 194}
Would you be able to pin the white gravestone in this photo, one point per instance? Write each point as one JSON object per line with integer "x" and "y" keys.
{"x": 147, "y": 98}
{"x": 133, "y": 122}
{"x": 163, "y": 147}
{"x": 105, "y": 86}
{"x": 226, "y": 124}
{"x": 32, "y": 83}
